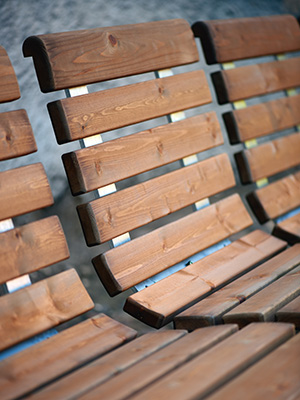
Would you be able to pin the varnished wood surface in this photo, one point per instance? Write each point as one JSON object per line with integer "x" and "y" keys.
{"x": 129, "y": 264}
{"x": 23, "y": 190}
{"x": 290, "y": 313}
{"x": 9, "y": 87}
{"x": 263, "y": 119}
{"x": 31, "y": 247}
{"x": 289, "y": 229}
{"x": 70, "y": 59}
{"x": 110, "y": 216}
{"x": 49, "y": 359}
{"x": 112, "y": 161}
{"x": 41, "y": 306}
{"x": 89, "y": 114}
{"x": 16, "y": 136}
{"x": 159, "y": 303}
{"x": 239, "y": 38}
{"x": 210, "y": 310}
{"x": 255, "y": 80}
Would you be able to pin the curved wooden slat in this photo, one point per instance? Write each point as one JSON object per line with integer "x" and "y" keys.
{"x": 9, "y": 87}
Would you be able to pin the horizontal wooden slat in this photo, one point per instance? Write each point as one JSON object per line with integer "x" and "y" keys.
{"x": 16, "y": 136}
{"x": 126, "y": 265}
{"x": 77, "y": 58}
{"x": 158, "y": 304}
{"x": 289, "y": 229}
{"x": 239, "y": 38}
{"x": 277, "y": 198}
{"x": 60, "y": 353}
{"x": 217, "y": 366}
{"x": 89, "y": 114}
{"x": 290, "y": 313}
{"x": 31, "y": 247}
{"x": 264, "y": 304}
{"x": 269, "y": 158}
{"x": 93, "y": 167}
{"x": 9, "y": 87}
{"x": 210, "y": 310}
{"x": 262, "y": 119}
{"x": 275, "y": 377}
{"x": 110, "y": 216}
{"x": 41, "y": 306}
{"x": 255, "y": 80}
{"x": 23, "y": 190}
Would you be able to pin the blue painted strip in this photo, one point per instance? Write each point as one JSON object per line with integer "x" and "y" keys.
{"x": 288, "y": 215}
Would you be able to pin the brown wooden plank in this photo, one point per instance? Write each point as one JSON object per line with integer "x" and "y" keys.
{"x": 137, "y": 260}
{"x": 290, "y": 313}
{"x": 289, "y": 229}
{"x": 264, "y": 304}
{"x": 269, "y": 158}
{"x": 262, "y": 119}
{"x": 31, "y": 247}
{"x": 109, "y": 365}
{"x": 23, "y": 190}
{"x": 158, "y": 304}
{"x": 89, "y": 114}
{"x": 49, "y": 359}
{"x": 123, "y": 211}
{"x": 239, "y": 38}
{"x": 209, "y": 371}
{"x": 275, "y": 377}
{"x": 9, "y": 87}
{"x": 93, "y": 167}
{"x": 70, "y": 59}
{"x": 16, "y": 136}
{"x": 210, "y": 310}
{"x": 255, "y": 80}
{"x": 41, "y": 306}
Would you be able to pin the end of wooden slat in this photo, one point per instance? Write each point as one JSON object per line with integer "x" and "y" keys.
{"x": 192, "y": 322}
{"x": 220, "y": 87}
{"x": 104, "y": 273}
{"x": 281, "y": 233}
{"x": 73, "y": 172}
{"x": 145, "y": 315}
{"x": 232, "y": 127}
{"x": 201, "y": 30}
{"x": 243, "y": 167}
{"x": 59, "y": 122}
{"x": 257, "y": 207}
{"x": 89, "y": 224}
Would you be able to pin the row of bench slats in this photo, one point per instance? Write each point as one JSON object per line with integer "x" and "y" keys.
{"x": 9, "y": 87}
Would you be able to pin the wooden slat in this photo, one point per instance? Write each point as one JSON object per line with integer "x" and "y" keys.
{"x": 264, "y": 305}
{"x": 9, "y": 87}
{"x": 210, "y": 310}
{"x": 122, "y": 211}
{"x": 71, "y": 59}
{"x": 255, "y": 80}
{"x": 262, "y": 119}
{"x": 89, "y": 114}
{"x": 275, "y": 377}
{"x": 41, "y": 306}
{"x": 269, "y": 158}
{"x": 106, "y": 367}
{"x": 16, "y": 136}
{"x": 209, "y": 371}
{"x": 276, "y": 199}
{"x": 49, "y": 359}
{"x": 23, "y": 190}
{"x": 290, "y": 313}
{"x": 158, "y": 304}
{"x": 239, "y": 38}
{"x": 31, "y": 247}
{"x": 93, "y": 167}
{"x": 289, "y": 229}
{"x": 126, "y": 265}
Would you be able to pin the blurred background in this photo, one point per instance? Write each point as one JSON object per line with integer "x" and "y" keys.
{"x": 22, "y": 18}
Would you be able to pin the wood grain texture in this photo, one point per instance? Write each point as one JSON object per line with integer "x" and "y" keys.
{"x": 126, "y": 265}
{"x": 93, "y": 113}
{"x": 217, "y": 366}
{"x": 51, "y": 358}
{"x": 23, "y": 190}
{"x": 16, "y": 136}
{"x": 9, "y": 87}
{"x": 70, "y": 59}
{"x": 209, "y": 311}
{"x": 268, "y": 158}
{"x": 255, "y": 80}
{"x": 275, "y": 377}
{"x": 93, "y": 167}
{"x": 110, "y": 216}
{"x": 262, "y": 119}
{"x": 31, "y": 247}
{"x": 159, "y": 303}
{"x": 239, "y": 38}
{"x": 290, "y": 313}
{"x": 289, "y": 229}
{"x": 41, "y": 306}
